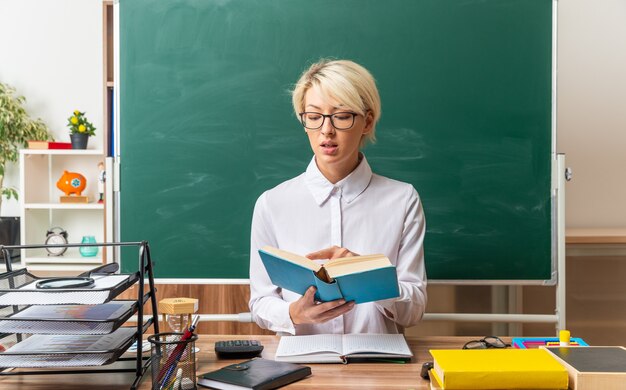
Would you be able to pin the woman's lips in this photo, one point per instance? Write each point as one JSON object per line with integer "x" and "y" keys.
{"x": 329, "y": 147}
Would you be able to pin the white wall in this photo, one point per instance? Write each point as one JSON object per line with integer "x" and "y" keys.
{"x": 51, "y": 52}
{"x": 592, "y": 110}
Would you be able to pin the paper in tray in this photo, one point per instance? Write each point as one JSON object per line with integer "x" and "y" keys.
{"x": 68, "y": 351}
{"x": 67, "y": 319}
{"x": 24, "y": 291}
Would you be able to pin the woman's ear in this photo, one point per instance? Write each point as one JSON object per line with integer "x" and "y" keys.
{"x": 369, "y": 122}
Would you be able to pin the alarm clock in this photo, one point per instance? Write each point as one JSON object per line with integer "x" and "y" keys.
{"x": 56, "y": 235}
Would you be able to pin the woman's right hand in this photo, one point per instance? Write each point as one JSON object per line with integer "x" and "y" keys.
{"x": 306, "y": 311}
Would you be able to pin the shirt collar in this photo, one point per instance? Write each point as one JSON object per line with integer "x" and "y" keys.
{"x": 351, "y": 186}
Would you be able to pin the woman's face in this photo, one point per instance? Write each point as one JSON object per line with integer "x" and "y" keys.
{"x": 336, "y": 151}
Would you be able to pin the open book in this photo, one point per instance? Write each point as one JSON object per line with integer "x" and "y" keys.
{"x": 340, "y": 348}
{"x": 359, "y": 278}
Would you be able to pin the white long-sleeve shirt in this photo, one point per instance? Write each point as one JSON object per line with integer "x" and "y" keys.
{"x": 365, "y": 213}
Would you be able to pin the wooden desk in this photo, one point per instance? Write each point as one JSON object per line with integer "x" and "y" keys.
{"x": 329, "y": 376}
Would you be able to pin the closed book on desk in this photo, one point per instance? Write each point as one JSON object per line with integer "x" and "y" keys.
{"x": 256, "y": 374}
{"x": 592, "y": 368}
{"x": 341, "y": 348}
{"x": 358, "y": 278}
{"x": 498, "y": 369}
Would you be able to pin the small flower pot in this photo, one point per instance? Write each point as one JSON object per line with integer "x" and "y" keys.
{"x": 79, "y": 141}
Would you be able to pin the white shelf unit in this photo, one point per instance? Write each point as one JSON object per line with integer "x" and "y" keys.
{"x": 41, "y": 209}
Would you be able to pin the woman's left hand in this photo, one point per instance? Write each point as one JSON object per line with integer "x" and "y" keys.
{"x": 334, "y": 252}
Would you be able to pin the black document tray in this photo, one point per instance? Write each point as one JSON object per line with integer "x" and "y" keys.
{"x": 63, "y": 358}
{"x": 11, "y": 324}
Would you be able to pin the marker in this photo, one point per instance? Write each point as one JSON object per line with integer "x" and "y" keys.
{"x": 179, "y": 377}
{"x": 564, "y": 338}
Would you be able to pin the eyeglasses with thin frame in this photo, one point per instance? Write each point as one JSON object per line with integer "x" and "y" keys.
{"x": 486, "y": 342}
{"x": 315, "y": 120}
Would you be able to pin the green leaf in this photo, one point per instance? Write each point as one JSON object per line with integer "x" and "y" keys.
{"x": 16, "y": 129}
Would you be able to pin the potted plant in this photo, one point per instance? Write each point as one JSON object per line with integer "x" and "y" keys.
{"x": 80, "y": 130}
{"x": 16, "y": 129}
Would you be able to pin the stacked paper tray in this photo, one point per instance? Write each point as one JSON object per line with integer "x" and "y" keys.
{"x": 68, "y": 351}
{"x": 18, "y": 288}
{"x": 66, "y": 319}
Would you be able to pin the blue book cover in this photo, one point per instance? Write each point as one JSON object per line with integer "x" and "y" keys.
{"x": 360, "y": 278}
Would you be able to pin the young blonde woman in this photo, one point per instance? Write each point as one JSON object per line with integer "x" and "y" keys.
{"x": 338, "y": 208}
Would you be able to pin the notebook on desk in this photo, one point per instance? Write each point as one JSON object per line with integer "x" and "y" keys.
{"x": 341, "y": 348}
{"x": 255, "y": 374}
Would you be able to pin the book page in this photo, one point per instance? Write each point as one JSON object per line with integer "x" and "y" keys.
{"x": 390, "y": 344}
{"x": 349, "y": 265}
{"x": 354, "y": 259}
{"x": 292, "y": 257}
{"x": 306, "y": 345}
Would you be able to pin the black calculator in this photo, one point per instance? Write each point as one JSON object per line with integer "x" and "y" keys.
{"x": 238, "y": 349}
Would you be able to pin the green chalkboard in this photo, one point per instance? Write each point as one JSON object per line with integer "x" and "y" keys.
{"x": 206, "y": 123}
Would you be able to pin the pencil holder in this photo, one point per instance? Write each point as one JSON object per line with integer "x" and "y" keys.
{"x": 173, "y": 361}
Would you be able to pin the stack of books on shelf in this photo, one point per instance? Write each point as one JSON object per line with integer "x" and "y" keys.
{"x": 49, "y": 145}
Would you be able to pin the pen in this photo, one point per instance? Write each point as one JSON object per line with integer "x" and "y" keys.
{"x": 174, "y": 382}
{"x": 167, "y": 376}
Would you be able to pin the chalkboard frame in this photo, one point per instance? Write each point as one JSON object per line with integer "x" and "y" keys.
{"x": 554, "y": 232}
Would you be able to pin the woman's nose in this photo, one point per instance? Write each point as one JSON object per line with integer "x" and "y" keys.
{"x": 327, "y": 127}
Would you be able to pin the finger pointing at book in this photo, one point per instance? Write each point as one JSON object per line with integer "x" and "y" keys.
{"x": 334, "y": 252}
{"x": 306, "y": 311}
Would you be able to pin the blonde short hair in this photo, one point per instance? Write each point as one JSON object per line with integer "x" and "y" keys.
{"x": 345, "y": 81}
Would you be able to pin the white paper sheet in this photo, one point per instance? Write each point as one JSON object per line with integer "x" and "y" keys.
{"x": 30, "y": 295}
{"x": 37, "y": 350}
{"x": 106, "y": 311}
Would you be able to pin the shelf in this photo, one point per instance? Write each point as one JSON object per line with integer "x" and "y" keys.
{"x": 62, "y": 260}
{"x": 60, "y": 269}
{"x": 67, "y": 152}
{"x": 71, "y": 256}
{"x": 64, "y": 206}
{"x": 595, "y": 236}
